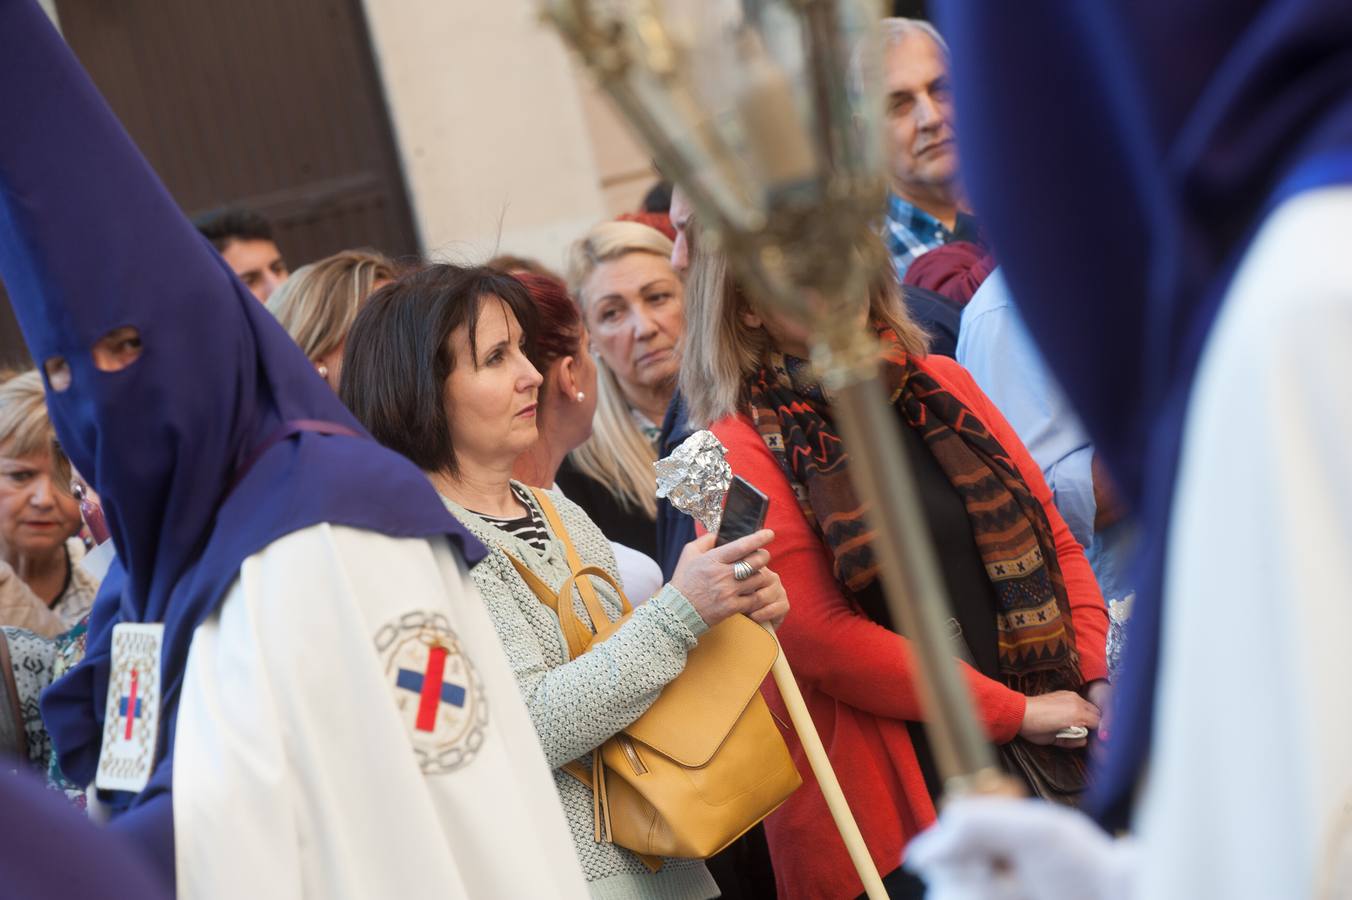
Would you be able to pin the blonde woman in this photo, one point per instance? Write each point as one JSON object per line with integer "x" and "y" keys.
{"x": 633, "y": 305}
{"x": 318, "y": 304}
{"x": 42, "y": 587}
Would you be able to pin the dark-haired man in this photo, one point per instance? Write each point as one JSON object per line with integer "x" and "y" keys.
{"x": 244, "y": 239}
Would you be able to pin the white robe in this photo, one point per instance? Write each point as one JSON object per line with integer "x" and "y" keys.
{"x": 294, "y": 770}
{"x": 1249, "y": 791}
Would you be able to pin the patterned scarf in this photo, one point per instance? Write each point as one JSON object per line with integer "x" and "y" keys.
{"x": 791, "y": 411}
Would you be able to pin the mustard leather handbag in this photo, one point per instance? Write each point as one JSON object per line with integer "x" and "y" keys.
{"x": 706, "y": 762}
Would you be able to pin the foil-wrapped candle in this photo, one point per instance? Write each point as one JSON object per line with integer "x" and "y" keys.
{"x": 695, "y": 478}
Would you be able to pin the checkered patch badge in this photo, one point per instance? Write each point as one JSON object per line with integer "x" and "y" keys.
{"x": 132, "y": 720}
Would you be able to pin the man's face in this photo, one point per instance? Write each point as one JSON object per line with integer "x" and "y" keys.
{"x": 258, "y": 264}
{"x": 921, "y": 150}
{"x": 680, "y": 220}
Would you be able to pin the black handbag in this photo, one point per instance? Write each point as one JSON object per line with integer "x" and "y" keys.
{"x": 1050, "y": 772}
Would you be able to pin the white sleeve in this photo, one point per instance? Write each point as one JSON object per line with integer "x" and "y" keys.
{"x": 232, "y": 795}
{"x": 640, "y": 575}
{"x": 1250, "y": 780}
{"x": 295, "y": 772}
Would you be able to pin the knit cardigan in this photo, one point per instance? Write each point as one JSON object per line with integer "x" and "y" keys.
{"x": 576, "y": 705}
{"x": 859, "y": 679}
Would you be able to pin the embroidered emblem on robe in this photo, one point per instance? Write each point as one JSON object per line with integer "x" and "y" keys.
{"x": 436, "y": 689}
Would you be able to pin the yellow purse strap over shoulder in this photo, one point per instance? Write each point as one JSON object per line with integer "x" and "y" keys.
{"x": 581, "y": 578}
{"x": 575, "y": 564}
{"x": 575, "y": 633}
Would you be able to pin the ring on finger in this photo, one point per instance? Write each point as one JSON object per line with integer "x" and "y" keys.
{"x": 742, "y": 570}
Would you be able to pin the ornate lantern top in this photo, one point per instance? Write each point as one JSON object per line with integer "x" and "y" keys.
{"x": 766, "y": 112}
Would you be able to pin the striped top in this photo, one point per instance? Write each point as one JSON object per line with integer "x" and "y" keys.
{"x": 529, "y": 528}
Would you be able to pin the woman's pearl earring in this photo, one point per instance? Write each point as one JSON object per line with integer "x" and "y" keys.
{"x": 581, "y": 396}
{"x": 323, "y": 370}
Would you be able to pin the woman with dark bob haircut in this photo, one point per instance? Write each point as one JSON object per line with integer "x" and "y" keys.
{"x": 438, "y": 367}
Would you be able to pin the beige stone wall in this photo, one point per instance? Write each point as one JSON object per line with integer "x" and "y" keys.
{"x": 624, "y": 167}
{"x": 504, "y": 147}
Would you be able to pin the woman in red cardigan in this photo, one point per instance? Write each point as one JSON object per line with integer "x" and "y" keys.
{"x": 1028, "y": 617}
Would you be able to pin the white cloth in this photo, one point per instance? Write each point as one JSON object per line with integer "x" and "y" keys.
{"x": 1249, "y": 791}
{"x": 295, "y": 773}
{"x": 994, "y": 848}
{"x": 96, "y": 562}
{"x": 640, "y": 575}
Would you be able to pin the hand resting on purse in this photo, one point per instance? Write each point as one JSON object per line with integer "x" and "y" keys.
{"x": 1046, "y": 714}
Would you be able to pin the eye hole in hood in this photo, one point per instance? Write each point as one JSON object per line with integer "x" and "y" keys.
{"x": 117, "y": 349}
{"x": 58, "y": 373}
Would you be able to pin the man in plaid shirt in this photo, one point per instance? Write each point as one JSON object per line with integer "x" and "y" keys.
{"x": 923, "y": 207}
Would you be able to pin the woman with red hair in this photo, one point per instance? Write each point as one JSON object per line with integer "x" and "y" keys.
{"x": 567, "y": 405}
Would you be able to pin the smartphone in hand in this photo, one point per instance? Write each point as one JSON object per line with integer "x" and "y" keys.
{"x": 744, "y": 511}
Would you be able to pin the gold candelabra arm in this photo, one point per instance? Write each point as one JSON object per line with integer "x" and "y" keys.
{"x": 846, "y": 358}
{"x": 906, "y": 560}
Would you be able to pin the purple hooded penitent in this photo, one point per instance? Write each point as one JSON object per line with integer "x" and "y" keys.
{"x": 90, "y": 241}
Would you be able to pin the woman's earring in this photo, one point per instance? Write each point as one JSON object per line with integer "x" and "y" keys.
{"x": 581, "y": 396}
{"x": 323, "y": 370}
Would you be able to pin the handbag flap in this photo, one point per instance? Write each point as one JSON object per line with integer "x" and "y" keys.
{"x": 693, "y": 715}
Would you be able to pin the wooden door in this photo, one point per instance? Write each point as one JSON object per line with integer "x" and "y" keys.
{"x": 13, "y": 352}
{"x": 276, "y": 106}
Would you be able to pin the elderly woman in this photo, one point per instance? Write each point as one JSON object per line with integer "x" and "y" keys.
{"x": 567, "y": 409}
{"x": 319, "y": 302}
{"x": 1034, "y": 640}
{"x": 632, "y": 303}
{"x": 42, "y": 587}
{"x": 438, "y": 368}
{"x": 36, "y": 646}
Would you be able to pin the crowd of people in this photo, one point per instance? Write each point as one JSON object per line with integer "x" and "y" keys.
{"x": 323, "y": 659}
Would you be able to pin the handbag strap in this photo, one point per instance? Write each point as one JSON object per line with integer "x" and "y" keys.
{"x": 596, "y": 778}
{"x": 575, "y": 634}
{"x": 575, "y": 564}
{"x": 578, "y": 579}
{"x": 572, "y": 627}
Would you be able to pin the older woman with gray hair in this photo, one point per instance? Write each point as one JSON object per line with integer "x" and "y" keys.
{"x": 42, "y": 587}
{"x": 45, "y": 592}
